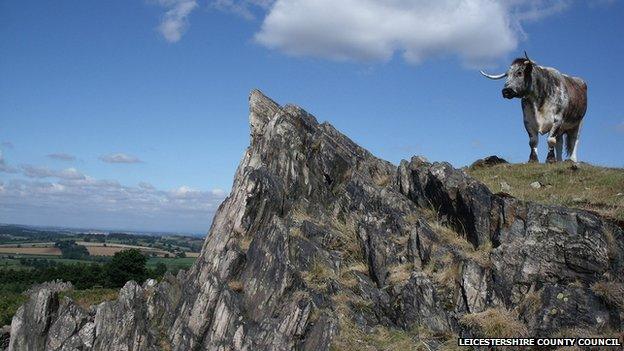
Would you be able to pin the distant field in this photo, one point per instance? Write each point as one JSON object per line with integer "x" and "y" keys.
{"x": 98, "y": 249}
{"x": 46, "y": 250}
{"x": 95, "y": 249}
{"x": 173, "y": 264}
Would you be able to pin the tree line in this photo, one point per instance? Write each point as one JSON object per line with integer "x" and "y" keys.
{"x": 124, "y": 266}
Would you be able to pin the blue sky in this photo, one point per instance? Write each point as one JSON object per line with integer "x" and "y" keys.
{"x": 133, "y": 114}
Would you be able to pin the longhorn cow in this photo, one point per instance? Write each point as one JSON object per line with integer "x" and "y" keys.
{"x": 552, "y": 102}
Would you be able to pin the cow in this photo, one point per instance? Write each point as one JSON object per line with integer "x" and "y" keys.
{"x": 552, "y": 102}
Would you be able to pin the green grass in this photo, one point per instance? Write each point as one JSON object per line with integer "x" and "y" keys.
{"x": 14, "y": 261}
{"x": 593, "y": 188}
{"x": 9, "y": 303}
{"x": 173, "y": 264}
{"x": 88, "y": 297}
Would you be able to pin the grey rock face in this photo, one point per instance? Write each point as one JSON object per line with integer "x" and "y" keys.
{"x": 318, "y": 238}
{"x": 5, "y": 335}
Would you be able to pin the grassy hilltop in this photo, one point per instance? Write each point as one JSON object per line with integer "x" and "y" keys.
{"x": 584, "y": 186}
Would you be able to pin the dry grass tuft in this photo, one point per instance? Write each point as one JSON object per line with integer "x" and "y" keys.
{"x": 347, "y": 277}
{"x": 346, "y": 241}
{"x": 319, "y": 275}
{"x": 383, "y": 180}
{"x": 351, "y": 337}
{"x": 612, "y": 293}
{"x": 235, "y": 285}
{"x": 400, "y": 273}
{"x": 244, "y": 243}
{"x": 495, "y": 323}
{"x": 88, "y": 297}
{"x": 589, "y": 187}
{"x": 531, "y": 303}
{"x": 454, "y": 240}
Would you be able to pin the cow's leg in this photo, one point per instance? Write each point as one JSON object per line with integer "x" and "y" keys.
{"x": 559, "y": 148}
{"x": 572, "y": 143}
{"x": 530, "y": 124}
{"x": 553, "y": 135}
{"x": 533, "y": 141}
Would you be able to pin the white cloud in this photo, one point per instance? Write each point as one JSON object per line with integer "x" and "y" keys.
{"x": 62, "y": 156}
{"x": 243, "y": 8}
{"x": 120, "y": 158}
{"x": 4, "y": 166}
{"x": 175, "y": 21}
{"x": 476, "y": 31}
{"x": 91, "y": 202}
{"x": 43, "y": 172}
{"x": 373, "y": 30}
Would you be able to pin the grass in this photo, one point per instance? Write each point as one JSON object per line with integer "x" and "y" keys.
{"x": 173, "y": 264}
{"x": 347, "y": 241}
{"x": 319, "y": 275}
{"x": 451, "y": 239}
{"x": 9, "y": 303}
{"x": 495, "y": 323}
{"x": 589, "y": 187}
{"x": 400, "y": 273}
{"x": 236, "y": 285}
{"x": 94, "y": 248}
{"x": 351, "y": 337}
{"x": 29, "y": 250}
{"x": 86, "y": 298}
{"x": 612, "y": 293}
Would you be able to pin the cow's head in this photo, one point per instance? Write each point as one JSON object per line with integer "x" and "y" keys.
{"x": 518, "y": 83}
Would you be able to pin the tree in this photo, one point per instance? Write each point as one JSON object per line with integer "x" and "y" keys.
{"x": 69, "y": 249}
{"x": 125, "y": 265}
{"x": 160, "y": 270}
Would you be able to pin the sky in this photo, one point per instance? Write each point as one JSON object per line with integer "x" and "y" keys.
{"x": 132, "y": 114}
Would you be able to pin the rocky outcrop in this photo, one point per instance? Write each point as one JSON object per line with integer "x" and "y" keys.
{"x": 320, "y": 243}
{"x": 488, "y": 162}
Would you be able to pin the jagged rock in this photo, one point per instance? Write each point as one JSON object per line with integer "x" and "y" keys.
{"x": 488, "y": 162}
{"x": 318, "y": 239}
{"x": 54, "y": 286}
{"x": 5, "y": 336}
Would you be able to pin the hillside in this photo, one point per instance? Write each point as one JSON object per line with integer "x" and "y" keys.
{"x": 582, "y": 186}
{"x": 322, "y": 246}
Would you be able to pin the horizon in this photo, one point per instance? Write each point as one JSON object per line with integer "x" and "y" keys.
{"x": 134, "y": 114}
{"x": 86, "y": 230}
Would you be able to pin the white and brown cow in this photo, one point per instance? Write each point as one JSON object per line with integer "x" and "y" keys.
{"x": 552, "y": 103}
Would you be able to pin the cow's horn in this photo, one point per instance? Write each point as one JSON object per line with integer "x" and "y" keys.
{"x": 527, "y": 56}
{"x": 499, "y": 76}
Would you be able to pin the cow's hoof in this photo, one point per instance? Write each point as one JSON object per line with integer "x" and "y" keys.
{"x": 533, "y": 158}
{"x": 551, "y": 157}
